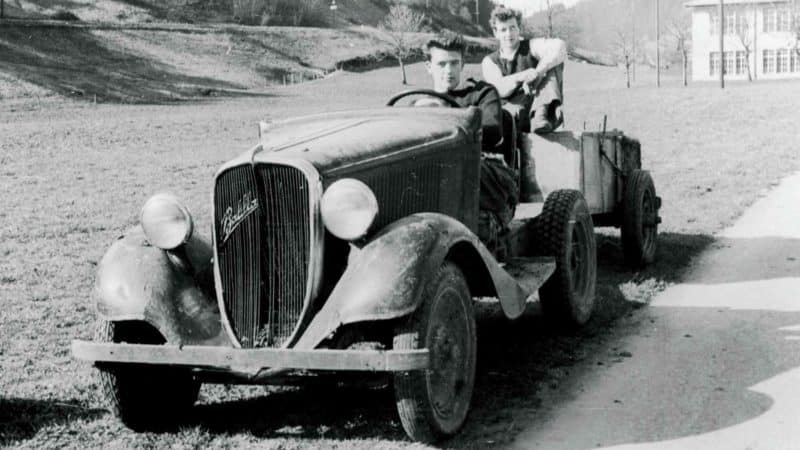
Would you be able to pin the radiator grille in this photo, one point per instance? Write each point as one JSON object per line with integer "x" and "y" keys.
{"x": 263, "y": 252}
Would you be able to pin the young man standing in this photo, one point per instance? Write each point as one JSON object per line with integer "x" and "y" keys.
{"x": 527, "y": 72}
{"x": 498, "y": 185}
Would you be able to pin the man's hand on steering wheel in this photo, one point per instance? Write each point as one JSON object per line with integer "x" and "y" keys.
{"x": 428, "y": 92}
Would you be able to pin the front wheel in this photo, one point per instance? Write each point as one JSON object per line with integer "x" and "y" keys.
{"x": 142, "y": 397}
{"x": 433, "y": 403}
{"x": 564, "y": 230}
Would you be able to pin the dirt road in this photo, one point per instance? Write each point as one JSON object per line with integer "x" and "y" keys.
{"x": 714, "y": 362}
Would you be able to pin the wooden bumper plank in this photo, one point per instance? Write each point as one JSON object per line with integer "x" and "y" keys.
{"x": 248, "y": 359}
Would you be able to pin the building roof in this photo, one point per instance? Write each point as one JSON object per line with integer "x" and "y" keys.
{"x": 694, "y": 3}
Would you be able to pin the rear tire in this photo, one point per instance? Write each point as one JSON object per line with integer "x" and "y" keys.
{"x": 144, "y": 398}
{"x": 564, "y": 230}
{"x": 433, "y": 403}
{"x": 639, "y": 230}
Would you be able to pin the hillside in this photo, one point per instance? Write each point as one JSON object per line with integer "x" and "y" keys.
{"x": 315, "y": 13}
{"x": 143, "y": 51}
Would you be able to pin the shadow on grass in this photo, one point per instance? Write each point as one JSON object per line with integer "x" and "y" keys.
{"x": 22, "y": 418}
{"x": 516, "y": 359}
{"x": 321, "y": 411}
{"x": 76, "y": 63}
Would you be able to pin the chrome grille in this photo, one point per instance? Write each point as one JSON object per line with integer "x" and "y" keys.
{"x": 239, "y": 253}
{"x": 287, "y": 236}
{"x": 264, "y": 259}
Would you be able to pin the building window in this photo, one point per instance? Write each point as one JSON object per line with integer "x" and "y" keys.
{"x": 713, "y": 63}
{"x": 730, "y": 23}
{"x": 714, "y": 24}
{"x": 782, "y": 60}
{"x": 741, "y": 63}
{"x": 769, "y": 61}
{"x": 741, "y": 24}
{"x": 770, "y": 20}
{"x": 795, "y": 60}
{"x": 782, "y": 19}
{"x": 729, "y": 62}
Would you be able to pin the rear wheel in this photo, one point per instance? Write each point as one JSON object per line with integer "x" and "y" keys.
{"x": 639, "y": 219}
{"x": 142, "y": 397}
{"x": 433, "y": 404}
{"x": 564, "y": 230}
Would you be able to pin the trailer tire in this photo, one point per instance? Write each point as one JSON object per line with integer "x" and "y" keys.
{"x": 639, "y": 230}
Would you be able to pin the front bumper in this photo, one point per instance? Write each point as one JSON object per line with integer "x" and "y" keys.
{"x": 251, "y": 360}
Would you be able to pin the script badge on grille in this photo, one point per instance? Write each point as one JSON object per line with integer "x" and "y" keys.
{"x": 233, "y": 217}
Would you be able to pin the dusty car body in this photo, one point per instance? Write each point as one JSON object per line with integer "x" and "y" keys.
{"x": 276, "y": 290}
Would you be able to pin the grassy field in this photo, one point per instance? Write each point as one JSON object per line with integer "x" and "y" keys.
{"x": 74, "y": 175}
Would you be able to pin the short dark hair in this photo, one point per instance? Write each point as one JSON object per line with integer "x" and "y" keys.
{"x": 503, "y": 14}
{"x": 445, "y": 40}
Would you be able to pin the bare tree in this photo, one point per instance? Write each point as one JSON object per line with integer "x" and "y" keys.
{"x": 745, "y": 38}
{"x": 550, "y": 14}
{"x": 680, "y": 31}
{"x": 796, "y": 26}
{"x": 555, "y": 22}
{"x": 623, "y": 47}
{"x": 401, "y": 21}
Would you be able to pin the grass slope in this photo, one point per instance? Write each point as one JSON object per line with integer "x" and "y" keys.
{"x": 170, "y": 62}
{"x": 74, "y": 176}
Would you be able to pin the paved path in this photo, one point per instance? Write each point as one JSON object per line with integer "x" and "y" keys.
{"x": 712, "y": 363}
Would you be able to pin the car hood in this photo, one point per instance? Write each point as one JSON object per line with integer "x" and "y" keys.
{"x": 334, "y": 141}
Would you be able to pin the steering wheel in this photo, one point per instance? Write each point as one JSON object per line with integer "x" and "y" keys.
{"x": 429, "y": 92}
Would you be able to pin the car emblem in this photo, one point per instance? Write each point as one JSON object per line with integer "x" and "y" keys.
{"x": 233, "y": 217}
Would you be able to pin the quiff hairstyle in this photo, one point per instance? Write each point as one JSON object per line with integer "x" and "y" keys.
{"x": 446, "y": 40}
{"x": 502, "y": 14}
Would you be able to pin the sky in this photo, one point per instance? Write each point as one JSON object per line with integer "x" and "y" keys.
{"x": 531, "y": 6}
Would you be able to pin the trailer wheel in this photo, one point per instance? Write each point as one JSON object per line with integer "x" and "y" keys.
{"x": 639, "y": 219}
{"x": 433, "y": 403}
{"x": 564, "y": 230}
{"x": 144, "y": 398}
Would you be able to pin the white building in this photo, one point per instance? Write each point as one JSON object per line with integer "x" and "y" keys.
{"x": 758, "y": 38}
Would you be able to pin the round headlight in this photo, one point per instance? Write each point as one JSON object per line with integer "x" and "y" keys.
{"x": 348, "y": 208}
{"x": 166, "y": 222}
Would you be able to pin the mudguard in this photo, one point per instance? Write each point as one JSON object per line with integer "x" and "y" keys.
{"x": 385, "y": 278}
{"x": 172, "y": 291}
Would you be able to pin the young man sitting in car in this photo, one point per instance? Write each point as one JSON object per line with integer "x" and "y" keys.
{"x": 528, "y": 73}
{"x": 498, "y": 185}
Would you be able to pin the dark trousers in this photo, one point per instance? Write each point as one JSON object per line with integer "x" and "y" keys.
{"x": 499, "y": 195}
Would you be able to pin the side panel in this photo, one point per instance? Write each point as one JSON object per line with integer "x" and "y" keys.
{"x": 384, "y": 279}
{"x": 557, "y": 160}
{"x": 173, "y": 292}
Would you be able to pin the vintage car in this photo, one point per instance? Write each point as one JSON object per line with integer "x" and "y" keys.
{"x": 341, "y": 243}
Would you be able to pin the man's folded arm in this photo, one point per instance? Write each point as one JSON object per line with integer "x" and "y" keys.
{"x": 549, "y": 51}
{"x": 506, "y": 85}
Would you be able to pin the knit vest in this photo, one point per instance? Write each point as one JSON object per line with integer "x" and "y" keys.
{"x": 522, "y": 60}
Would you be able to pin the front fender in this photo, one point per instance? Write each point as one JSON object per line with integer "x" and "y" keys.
{"x": 385, "y": 278}
{"x": 172, "y": 291}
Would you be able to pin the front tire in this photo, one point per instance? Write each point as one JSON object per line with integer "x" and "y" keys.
{"x": 144, "y": 398}
{"x": 564, "y": 230}
{"x": 433, "y": 403}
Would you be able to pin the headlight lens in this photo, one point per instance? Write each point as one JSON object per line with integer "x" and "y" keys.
{"x": 166, "y": 221}
{"x": 348, "y": 208}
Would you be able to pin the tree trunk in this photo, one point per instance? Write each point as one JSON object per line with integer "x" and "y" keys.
{"x": 684, "y": 64}
{"x": 628, "y": 72}
{"x": 402, "y": 69}
{"x": 747, "y": 66}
